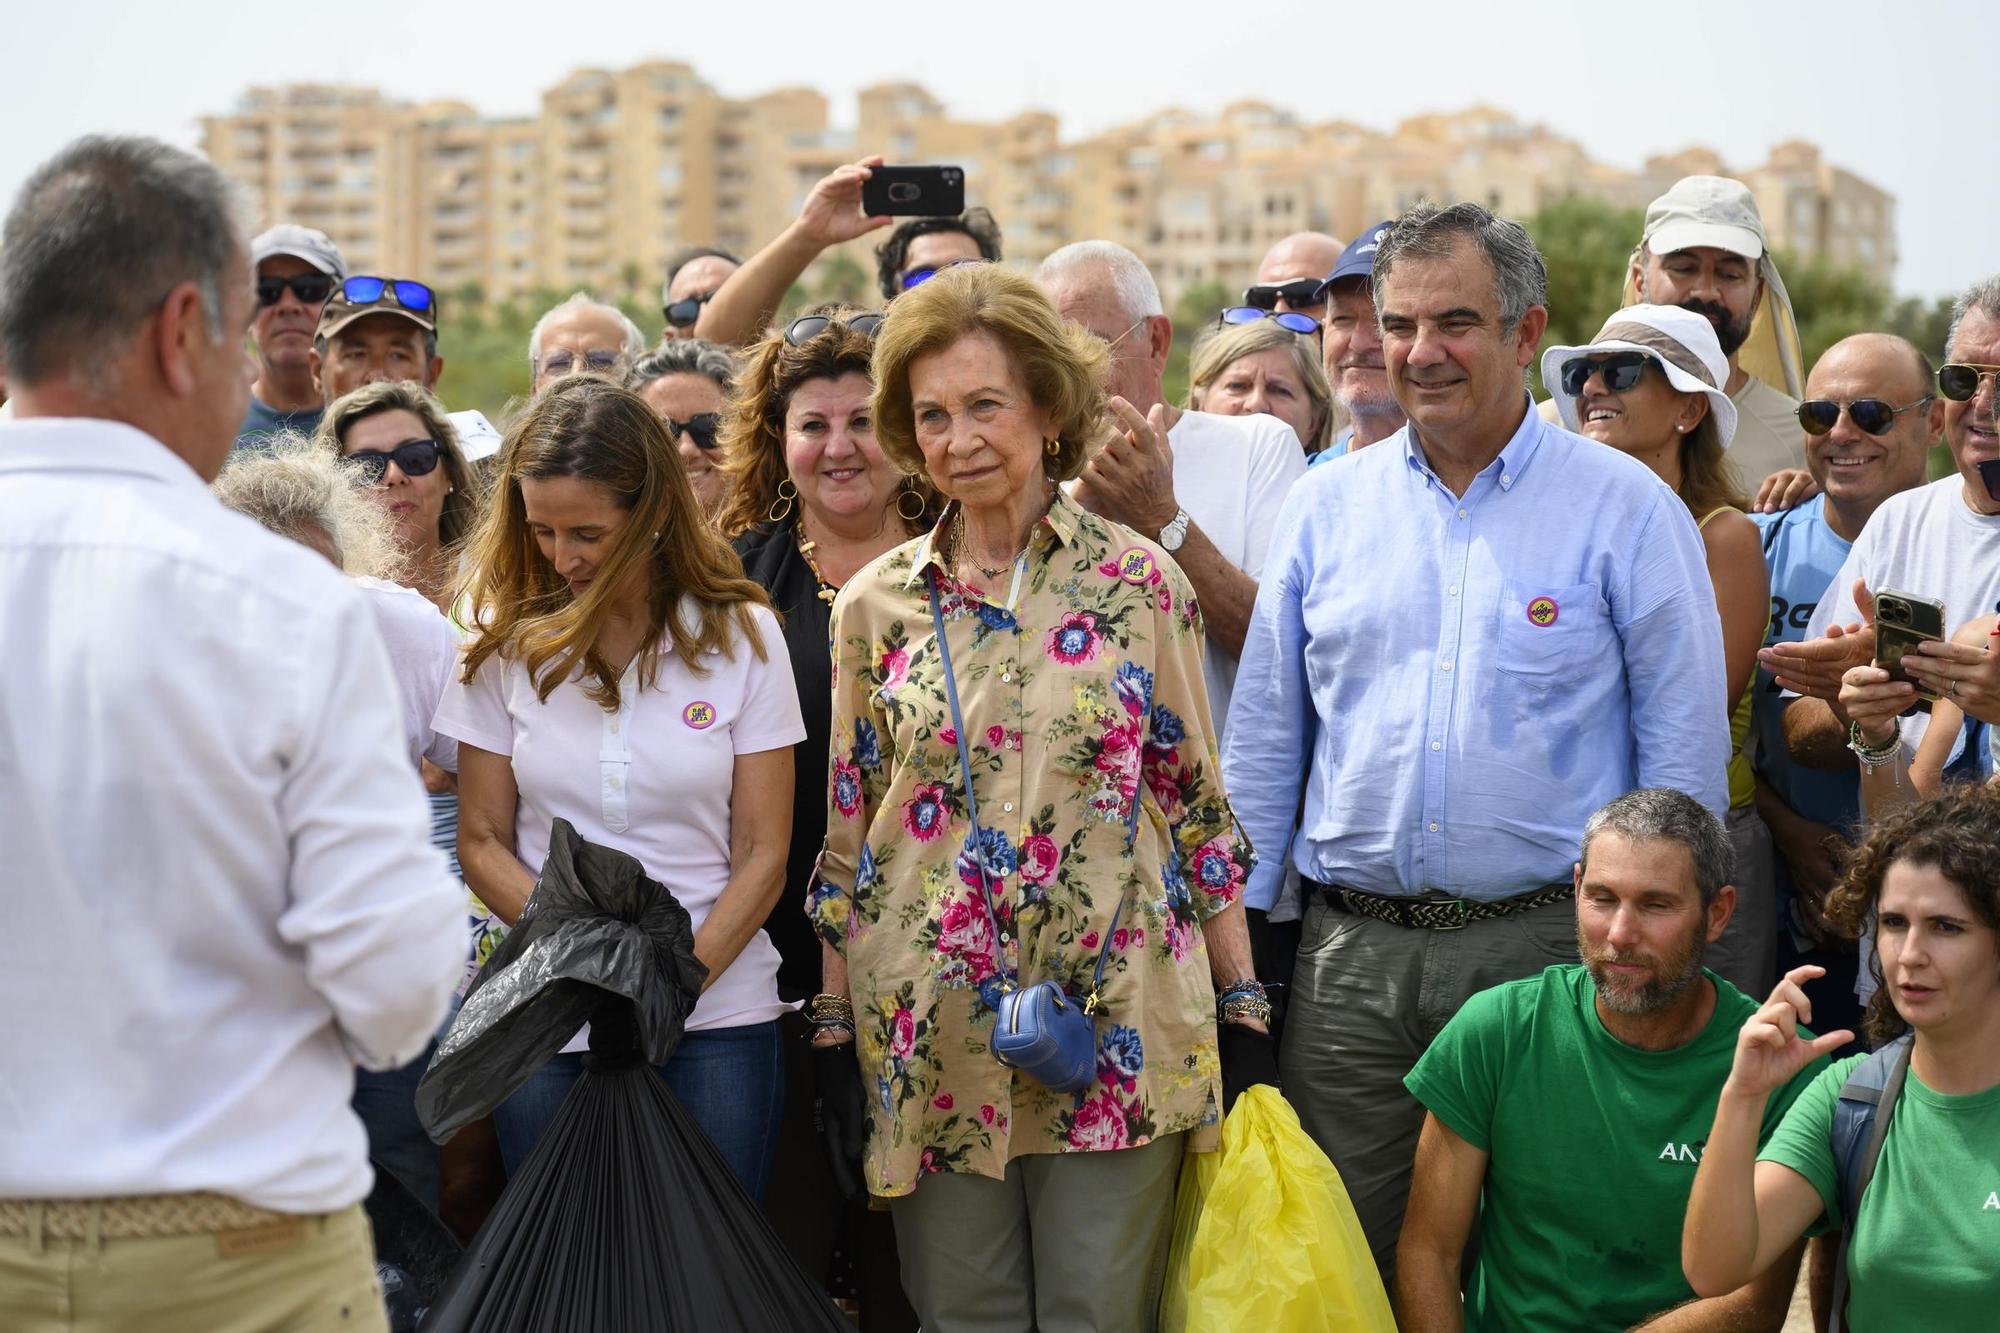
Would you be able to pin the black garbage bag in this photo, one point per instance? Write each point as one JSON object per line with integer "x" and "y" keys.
{"x": 595, "y": 925}
{"x": 415, "y": 1253}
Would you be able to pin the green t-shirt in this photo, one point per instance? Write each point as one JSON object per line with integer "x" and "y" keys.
{"x": 1926, "y": 1251}
{"x": 1592, "y": 1149}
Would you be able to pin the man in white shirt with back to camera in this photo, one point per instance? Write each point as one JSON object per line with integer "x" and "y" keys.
{"x": 220, "y": 892}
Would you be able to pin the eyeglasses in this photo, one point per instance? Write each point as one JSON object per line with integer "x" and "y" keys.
{"x": 683, "y": 313}
{"x": 1621, "y": 371}
{"x": 416, "y": 458}
{"x": 916, "y": 277}
{"x": 367, "y": 290}
{"x": 596, "y": 361}
{"x": 808, "y": 327}
{"x": 1287, "y": 319}
{"x": 1959, "y": 380}
{"x": 311, "y": 288}
{"x": 701, "y": 428}
{"x": 1297, "y": 292}
{"x": 1820, "y": 415}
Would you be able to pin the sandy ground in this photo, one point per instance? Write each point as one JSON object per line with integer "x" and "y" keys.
{"x": 1800, "y": 1319}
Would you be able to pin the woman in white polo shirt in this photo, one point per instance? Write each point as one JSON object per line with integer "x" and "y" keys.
{"x": 622, "y": 674}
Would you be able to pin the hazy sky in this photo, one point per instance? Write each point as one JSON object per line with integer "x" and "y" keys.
{"x": 1906, "y": 94}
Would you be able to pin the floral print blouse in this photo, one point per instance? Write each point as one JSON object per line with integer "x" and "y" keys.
{"x": 1085, "y": 697}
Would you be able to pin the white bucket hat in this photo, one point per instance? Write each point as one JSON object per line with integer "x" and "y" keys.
{"x": 1681, "y": 342}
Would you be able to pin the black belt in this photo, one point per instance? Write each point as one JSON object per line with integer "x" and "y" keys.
{"x": 1436, "y": 912}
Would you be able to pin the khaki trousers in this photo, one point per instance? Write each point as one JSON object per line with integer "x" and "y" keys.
{"x": 306, "y": 1275}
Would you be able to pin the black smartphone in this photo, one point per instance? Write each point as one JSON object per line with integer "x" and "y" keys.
{"x": 1902, "y": 621}
{"x": 914, "y": 192}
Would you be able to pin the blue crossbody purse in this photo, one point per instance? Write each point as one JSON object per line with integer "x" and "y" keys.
{"x": 1041, "y": 1030}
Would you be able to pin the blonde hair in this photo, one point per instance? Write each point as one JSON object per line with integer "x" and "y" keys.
{"x": 1223, "y": 345}
{"x": 462, "y": 506}
{"x": 593, "y": 430}
{"x": 296, "y": 488}
{"x": 1061, "y": 365}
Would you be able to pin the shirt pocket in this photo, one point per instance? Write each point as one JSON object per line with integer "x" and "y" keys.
{"x": 1549, "y": 633}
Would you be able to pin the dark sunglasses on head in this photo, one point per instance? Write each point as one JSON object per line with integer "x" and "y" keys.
{"x": 808, "y": 327}
{"x": 701, "y": 428}
{"x": 683, "y": 313}
{"x": 916, "y": 277}
{"x": 1287, "y": 319}
{"x": 1959, "y": 380}
{"x": 311, "y": 288}
{"x": 1297, "y": 292}
{"x": 367, "y": 290}
{"x": 1820, "y": 415}
{"x": 1621, "y": 372}
{"x": 416, "y": 458}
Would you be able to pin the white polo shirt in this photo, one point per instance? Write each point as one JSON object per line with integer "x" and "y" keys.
{"x": 652, "y": 779}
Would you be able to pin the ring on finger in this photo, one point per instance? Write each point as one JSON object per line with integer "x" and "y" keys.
{"x": 1951, "y": 689}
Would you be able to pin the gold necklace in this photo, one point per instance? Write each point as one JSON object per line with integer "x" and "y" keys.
{"x": 827, "y": 592}
{"x": 958, "y": 557}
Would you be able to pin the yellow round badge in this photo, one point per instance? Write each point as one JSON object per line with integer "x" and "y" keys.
{"x": 699, "y": 715}
{"x": 1543, "y": 611}
{"x": 1135, "y": 564}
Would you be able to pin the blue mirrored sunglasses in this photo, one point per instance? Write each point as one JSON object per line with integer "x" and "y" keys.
{"x": 367, "y": 290}
{"x": 1287, "y": 319}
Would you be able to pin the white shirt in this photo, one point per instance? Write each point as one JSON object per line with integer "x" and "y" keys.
{"x": 651, "y": 780}
{"x": 218, "y": 885}
{"x": 423, "y": 653}
{"x": 1232, "y": 474}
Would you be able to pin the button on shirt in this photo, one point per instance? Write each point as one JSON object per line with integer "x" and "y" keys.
{"x": 219, "y": 884}
{"x": 1459, "y": 682}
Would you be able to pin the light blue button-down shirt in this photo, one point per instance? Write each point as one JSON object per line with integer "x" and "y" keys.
{"x": 1457, "y": 683}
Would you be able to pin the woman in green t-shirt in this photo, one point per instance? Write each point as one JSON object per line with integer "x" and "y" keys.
{"x": 1925, "y": 1238}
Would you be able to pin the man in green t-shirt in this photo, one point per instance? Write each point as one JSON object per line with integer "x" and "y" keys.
{"x": 1567, "y": 1112}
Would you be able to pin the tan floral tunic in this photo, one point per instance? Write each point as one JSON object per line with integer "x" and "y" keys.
{"x": 1091, "y": 683}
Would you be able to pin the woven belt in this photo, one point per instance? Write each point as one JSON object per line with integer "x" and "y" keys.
{"x": 1437, "y": 913}
{"x": 135, "y": 1217}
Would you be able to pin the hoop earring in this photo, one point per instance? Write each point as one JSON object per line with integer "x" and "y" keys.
{"x": 781, "y": 508}
{"x": 905, "y": 493}
{"x": 1052, "y": 447}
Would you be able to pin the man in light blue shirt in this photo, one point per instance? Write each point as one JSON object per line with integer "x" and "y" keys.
{"x": 1467, "y": 639}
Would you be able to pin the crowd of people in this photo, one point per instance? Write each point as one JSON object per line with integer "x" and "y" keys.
{"x": 1538, "y": 796}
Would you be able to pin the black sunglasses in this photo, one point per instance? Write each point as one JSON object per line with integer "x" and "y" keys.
{"x": 1287, "y": 319}
{"x": 1297, "y": 292}
{"x": 1621, "y": 371}
{"x": 1820, "y": 415}
{"x": 683, "y": 313}
{"x": 311, "y": 288}
{"x": 416, "y": 458}
{"x": 808, "y": 327}
{"x": 701, "y": 428}
{"x": 368, "y": 289}
{"x": 1959, "y": 380}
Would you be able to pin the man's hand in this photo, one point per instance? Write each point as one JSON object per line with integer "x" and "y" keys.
{"x": 1812, "y": 854}
{"x": 1964, "y": 671}
{"x": 1131, "y": 480}
{"x": 1815, "y": 666}
{"x": 832, "y": 212}
{"x": 1787, "y": 488}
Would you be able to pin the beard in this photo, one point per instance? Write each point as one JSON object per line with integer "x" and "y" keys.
{"x": 1673, "y": 973}
{"x": 1732, "y": 333}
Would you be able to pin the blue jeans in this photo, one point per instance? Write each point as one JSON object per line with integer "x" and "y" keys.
{"x": 386, "y": 1101}
{"x": 731, "y": 1080}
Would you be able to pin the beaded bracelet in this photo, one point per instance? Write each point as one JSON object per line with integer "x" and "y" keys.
{"x": 826, "y": 1007}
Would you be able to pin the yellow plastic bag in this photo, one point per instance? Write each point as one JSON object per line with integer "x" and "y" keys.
{"x": 1265, "y": 1239}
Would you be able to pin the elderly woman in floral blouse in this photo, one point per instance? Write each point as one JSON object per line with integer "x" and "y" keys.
{"x": 1075, "y": 649}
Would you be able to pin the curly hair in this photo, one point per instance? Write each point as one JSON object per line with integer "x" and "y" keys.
{"x": 301, "y": 491}
{"x": 1958, "y": 834}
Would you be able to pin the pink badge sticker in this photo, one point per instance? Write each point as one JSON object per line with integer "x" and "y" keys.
{"x": 700, "y": 715}
{"x": 1543, "y": 611}
{"x": 1135, "y": 564}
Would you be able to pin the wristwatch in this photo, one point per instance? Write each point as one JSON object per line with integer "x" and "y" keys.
{"x": 1172, "y": 535}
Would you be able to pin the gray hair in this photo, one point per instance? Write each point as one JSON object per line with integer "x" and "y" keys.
{"x": 1520, "y": 279}
{"x": 1220, "y": 346}
{"x": 1660, "y": 814}
{"x": 299, "y": 490}
{"x": 97, "y": 237}
{"x": 1982, "y": 296}
{"x": 1132, "y": 283}
{"x": 635, "y": 341}
{"x": 684, "y": 356}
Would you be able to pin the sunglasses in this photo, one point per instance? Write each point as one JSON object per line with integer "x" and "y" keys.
{"x": 367, "y": 290}
{"x": 917, "y": 277}
{"x": 683, "y": 313}
{"x": 1287, "y": 319}
{"x": 1959, "y": 380}
{"x": 311, "y": 288}
{"x": 808, "y": 327}
{"x": 1297, "y": 292}
{"x": 1820, "y": 415}
{"x": 416, "y": 458}
{"x": 596, "y": 361}
{"x": 1621, "y": 372}
{"x": 701, "y": 428}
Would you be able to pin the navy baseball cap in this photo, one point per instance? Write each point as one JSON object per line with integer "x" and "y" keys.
{"x": 1358, "y": 259}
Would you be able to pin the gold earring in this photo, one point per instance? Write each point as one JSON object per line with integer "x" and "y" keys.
{"x": 905, "y": 494}
{"x": 1052, "y": 447}
{"x": 781, "y": 508}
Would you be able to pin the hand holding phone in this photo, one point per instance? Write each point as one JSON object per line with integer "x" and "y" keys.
{"x": 914, "y": 192}
{"x": 1902, "y": 621}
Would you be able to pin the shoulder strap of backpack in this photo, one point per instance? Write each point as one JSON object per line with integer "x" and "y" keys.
{"x": 1860, "y": 1124}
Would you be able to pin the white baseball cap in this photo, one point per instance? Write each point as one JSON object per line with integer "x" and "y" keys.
{"x": 315, "y": 247}
{"x": 1680, "y": 341}
{"x": 1705, "y": 211}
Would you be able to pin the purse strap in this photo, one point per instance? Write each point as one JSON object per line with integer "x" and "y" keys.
{"x": 972, "y": 805}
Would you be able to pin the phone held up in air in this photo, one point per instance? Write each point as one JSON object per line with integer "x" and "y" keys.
{"x": 913, "y": 192}
{"x": 1902, "y": 621}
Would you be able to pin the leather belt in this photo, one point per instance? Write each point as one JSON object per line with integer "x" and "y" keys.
{"x": 137, "y": 1217}
{"x": 1436, "y": 912}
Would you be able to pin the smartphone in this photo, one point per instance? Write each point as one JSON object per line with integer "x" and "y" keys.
{"x": 1902, "y": 621}
{"x": 914, "y": 192}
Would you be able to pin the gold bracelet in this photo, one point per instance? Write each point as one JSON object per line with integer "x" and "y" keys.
{"x": 829, "y": 1008}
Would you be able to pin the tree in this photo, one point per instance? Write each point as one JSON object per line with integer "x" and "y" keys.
{"x": 1587, "y": 247}
{"x": 840, "y": 278}
{"x": 1195, "y": 311}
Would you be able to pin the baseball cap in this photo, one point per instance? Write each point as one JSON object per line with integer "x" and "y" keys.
{"x": 315, "y": 247}
{"x": 1705, "y": 211}
{"x": 1680, "y": 341}
{"x": 341, "y": 311}
{"x": 1358, "y": 259}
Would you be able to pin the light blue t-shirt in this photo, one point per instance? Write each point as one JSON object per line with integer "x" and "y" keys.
{"x": 1804, "y": 555}
{"x": 1338, "y": 449}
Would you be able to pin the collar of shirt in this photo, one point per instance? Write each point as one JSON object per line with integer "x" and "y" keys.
{"x": 90, "y": 444}
{"x": 1061, "y": 520}
{"x": 1505, "y": 470}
